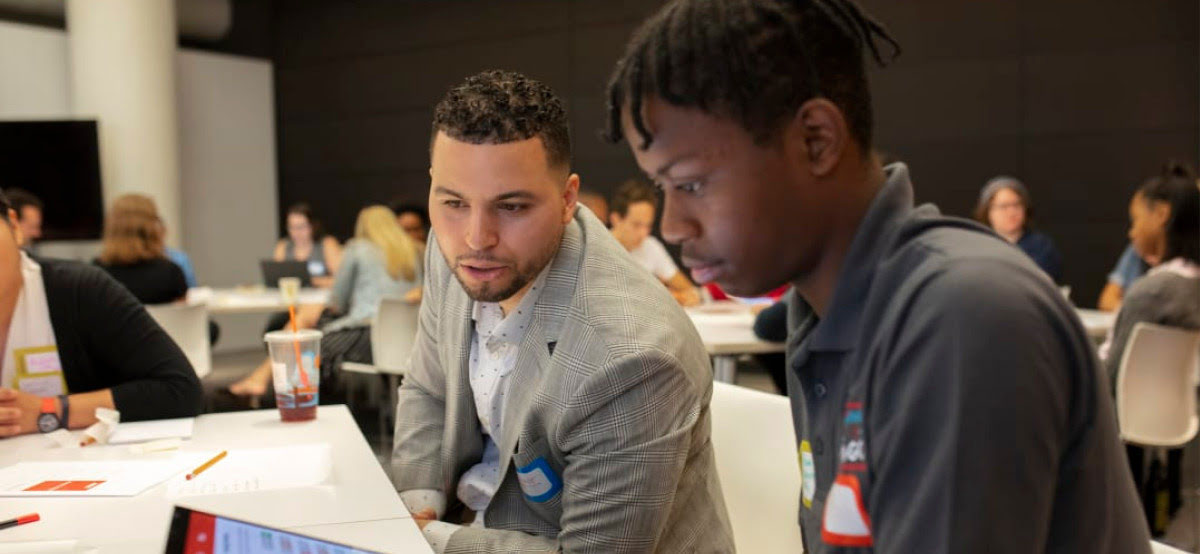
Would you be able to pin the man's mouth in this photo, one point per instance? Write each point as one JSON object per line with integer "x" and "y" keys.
{"x": 483, "y": 271}
{"x": 704, "y": 271}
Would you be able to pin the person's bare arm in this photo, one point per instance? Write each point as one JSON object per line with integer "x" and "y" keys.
{"x": 683, "y": 290}
{"x": 280, "y": 251}
{"x": 333, "y": 255}
{"x": 1110, "y": 297}
{"x": 19, "y": 410}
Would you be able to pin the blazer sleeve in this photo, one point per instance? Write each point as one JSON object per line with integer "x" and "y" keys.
{"x": 626, "y": 439}
{"x": 421, "y": 400}
{"x": 153, "y": 379}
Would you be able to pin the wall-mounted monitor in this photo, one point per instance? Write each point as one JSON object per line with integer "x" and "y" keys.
{"x": 59, "y": 162}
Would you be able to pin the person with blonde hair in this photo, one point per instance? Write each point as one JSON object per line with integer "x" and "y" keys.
{"x": 381, "y": 261}
{"x": 133, "y": 252}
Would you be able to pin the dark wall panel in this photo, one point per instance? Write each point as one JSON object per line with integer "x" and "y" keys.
{"x": 1081, "y": 99}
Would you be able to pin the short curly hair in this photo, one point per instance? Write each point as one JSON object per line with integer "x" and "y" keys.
{"x": 496, "y": 107}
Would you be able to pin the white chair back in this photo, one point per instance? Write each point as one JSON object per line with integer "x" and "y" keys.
{"x": 1160, "y": 548}
{"x": 755, "y": 447}
{"x": 188, "y": 327}
{"x": 1156, "y": 393}
{"x": 393, "y": 334}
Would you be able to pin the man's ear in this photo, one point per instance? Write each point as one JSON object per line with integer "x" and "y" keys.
{"x": 819, "y": 134}
{"x": 570, "y": 197}
{"x": 16, "y": 229}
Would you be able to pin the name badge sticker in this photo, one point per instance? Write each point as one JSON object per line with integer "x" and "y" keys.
{"x": 538, "y": 481}
{"x": 808, "y": 474}
{"x": 39, "y": 371}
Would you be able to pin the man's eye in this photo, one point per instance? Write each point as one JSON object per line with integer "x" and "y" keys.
{"x": 512, "y": 207}
{"x": 690, "y": 187}
{"x": 452, "y": 203}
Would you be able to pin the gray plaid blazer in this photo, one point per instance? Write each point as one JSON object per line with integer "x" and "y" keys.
{"x": 609, "y": 397}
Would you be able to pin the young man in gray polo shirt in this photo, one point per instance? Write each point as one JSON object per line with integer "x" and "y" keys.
{"x": 946, "y": 398}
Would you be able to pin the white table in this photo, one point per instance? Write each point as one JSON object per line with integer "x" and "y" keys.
{"x": 357, "y": 505}
{"x": 727, "y": 329}
{"x": 1097, "y": 323}
{"x": 252, "y": 300}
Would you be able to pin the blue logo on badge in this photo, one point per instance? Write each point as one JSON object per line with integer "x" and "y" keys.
{"x": 854, "y": 417}
{"x": 538, "y": 481}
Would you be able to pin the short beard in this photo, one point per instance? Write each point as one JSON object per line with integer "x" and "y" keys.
{"x": 525, "y": 273}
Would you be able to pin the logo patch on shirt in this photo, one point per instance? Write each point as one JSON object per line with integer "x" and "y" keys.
{"x": 852, "y": 455}
{"x": 538, "y": 481}
{"x": 845, "y": 522}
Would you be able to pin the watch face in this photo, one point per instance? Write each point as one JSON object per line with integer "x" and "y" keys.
{"x": 47, "y": 422}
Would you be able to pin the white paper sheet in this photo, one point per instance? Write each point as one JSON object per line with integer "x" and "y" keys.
{"x": 301, "y": 465}
{"x": 143, "y": 431}
{"x": 90, "y": 478}
{"x": 46, "y": 547}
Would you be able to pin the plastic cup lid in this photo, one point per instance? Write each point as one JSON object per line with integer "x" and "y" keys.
{"x": 288, "y": 336}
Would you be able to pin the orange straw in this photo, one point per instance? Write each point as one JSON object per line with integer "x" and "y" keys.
{"x": 296, "y": 344}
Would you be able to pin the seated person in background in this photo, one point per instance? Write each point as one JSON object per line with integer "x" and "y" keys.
{"x": 381, "y": 261}
{"x": 305, "y": 242}
{"x": 29, "y": 215}
{"x": 595, "y": 202}
{"x": 1005, "y": 206}
{"x": 557, "y": 396}
{"x": 181, "y": 259}
{"x": 1164, "y": 225}
{"x": 92, "y": 342}
{"x": 1130, "y": 267}
{"x": 1164, "y": 219}
{"x": 133, "y": 252}
{"x": 414, "y": 219}
{"x": 632, "y": 218}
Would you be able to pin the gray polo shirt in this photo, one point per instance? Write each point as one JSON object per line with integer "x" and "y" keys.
{"x": 950, "y": 401}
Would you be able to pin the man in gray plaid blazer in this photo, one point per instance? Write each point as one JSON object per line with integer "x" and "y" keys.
{"x": 595, "y": 435}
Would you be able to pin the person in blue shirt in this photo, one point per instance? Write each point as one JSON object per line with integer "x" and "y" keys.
{"x": 1005, "y": 206}
{"x": 1130, "y": 267}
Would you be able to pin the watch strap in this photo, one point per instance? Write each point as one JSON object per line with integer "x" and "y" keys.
{"x": 65, "y": 421}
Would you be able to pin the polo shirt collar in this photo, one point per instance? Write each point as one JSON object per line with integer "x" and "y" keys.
{"x": 840, "y": 328}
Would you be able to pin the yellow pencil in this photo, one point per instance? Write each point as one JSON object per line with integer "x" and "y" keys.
{"x": 206, "y": 465}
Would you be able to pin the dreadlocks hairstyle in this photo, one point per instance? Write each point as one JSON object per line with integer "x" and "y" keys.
{"x": 756, "y": 61}
{"x": 496, "y": 107}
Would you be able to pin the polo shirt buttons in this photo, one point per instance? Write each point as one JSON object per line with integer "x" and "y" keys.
{"x": 820, "y": 390}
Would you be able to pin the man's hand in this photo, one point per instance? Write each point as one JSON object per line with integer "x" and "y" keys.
{"x": 423, "y": 517}
{"x": 18, "y": 412}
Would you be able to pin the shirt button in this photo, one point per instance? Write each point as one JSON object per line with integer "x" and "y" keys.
{"x": 818, "y": 447}
{"x": 819, "y": 389}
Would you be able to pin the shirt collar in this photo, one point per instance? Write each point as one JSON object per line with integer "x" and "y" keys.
{"x": 512, "y": 328}
{"x": 839, "y": 329}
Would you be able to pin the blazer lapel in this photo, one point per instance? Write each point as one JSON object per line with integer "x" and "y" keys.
{"x": 463, "y": 443}
{"x": 534, "y": 355}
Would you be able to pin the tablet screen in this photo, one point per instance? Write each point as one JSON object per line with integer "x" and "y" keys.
{"x": 194, "y": 532}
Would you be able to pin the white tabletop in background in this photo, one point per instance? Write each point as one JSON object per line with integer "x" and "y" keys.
{"x": 1096, "y": 322}
{"x": 257, "y": 300}
{"x": 727, "y": 328}
{"x": 357, "y": 505}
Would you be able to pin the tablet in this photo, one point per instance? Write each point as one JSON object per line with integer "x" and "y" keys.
{"x": 196, "y": 532}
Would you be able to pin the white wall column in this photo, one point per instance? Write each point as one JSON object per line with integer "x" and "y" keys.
{"x": 122, "y": 65}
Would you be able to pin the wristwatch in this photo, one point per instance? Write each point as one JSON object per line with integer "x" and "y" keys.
{"x": 49, "y": 420}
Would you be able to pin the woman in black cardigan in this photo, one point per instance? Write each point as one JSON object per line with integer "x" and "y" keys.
{"x": 110, "y": 352}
